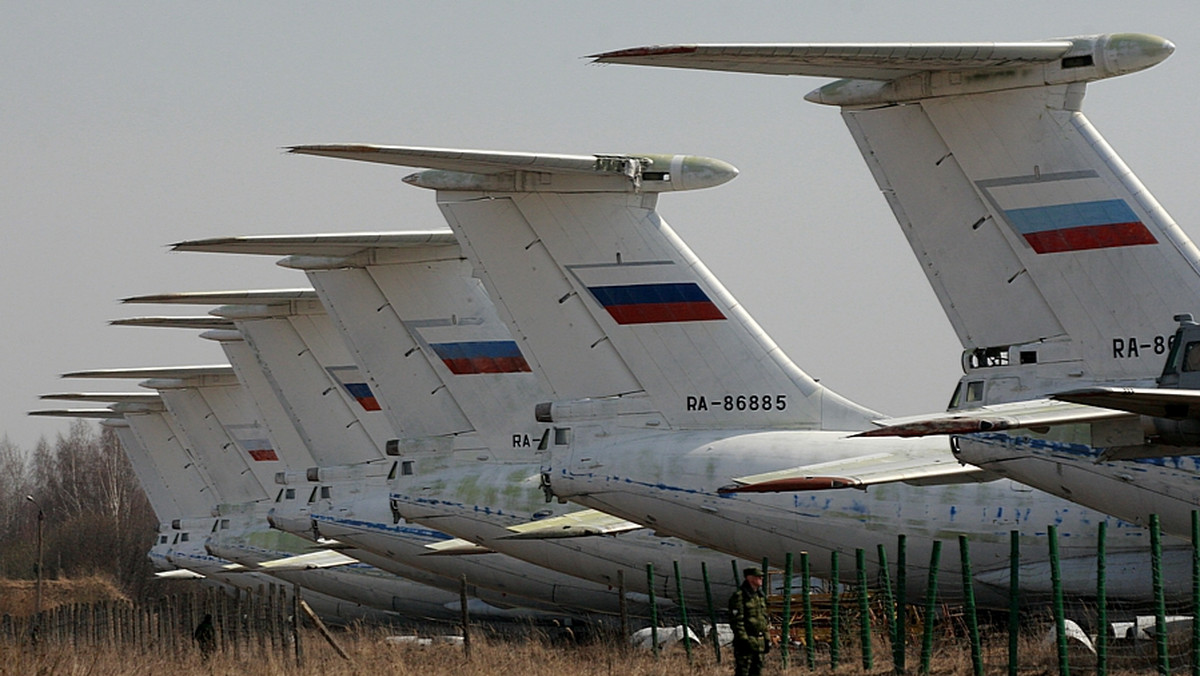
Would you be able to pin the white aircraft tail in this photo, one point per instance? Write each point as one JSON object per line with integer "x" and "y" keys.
{"x": 1053, "y": 263}
{"x": 423, "y": 328}
{"x": 603, "y": 299}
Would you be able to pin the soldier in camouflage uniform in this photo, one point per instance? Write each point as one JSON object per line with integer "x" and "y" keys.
{"x": 748, "y": 619}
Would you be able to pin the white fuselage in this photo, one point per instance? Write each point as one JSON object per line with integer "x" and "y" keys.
{"x": 669, "y": 479}
{"x": 1127, "y": 489}
{"x": 478, "y": 503}
{"x": 357, "y": 514}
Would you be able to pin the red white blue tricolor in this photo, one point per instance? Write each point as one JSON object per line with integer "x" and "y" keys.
{"x": 656, "y": 303}
{"x": 1080, "y": 226}
{"x": 481, "y": 356}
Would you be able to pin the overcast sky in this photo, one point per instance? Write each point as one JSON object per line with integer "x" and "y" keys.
{"x": 127, "y": 127}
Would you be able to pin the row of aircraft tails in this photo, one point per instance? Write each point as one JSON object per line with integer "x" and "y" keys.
{"x": 555, "y": 392}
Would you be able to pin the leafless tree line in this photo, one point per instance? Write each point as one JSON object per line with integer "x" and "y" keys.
{"x": 97, "y": 518}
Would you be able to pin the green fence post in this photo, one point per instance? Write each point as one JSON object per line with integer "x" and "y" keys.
{"x": 1060, "y": 618}
{"x": 1014, "y": 598}
{"x": 900, "y": 640}
{"x": 889, "y": 608}
{"x": 653, "y": 610}
{"x": 834, "y": 649}
{"x": 1195, "y": 593}
{"x": 1101, "y": 602}
{"x": 935, "y": 557}
{"x": 687, "y": 641}
{"x": 864, "y": 608}
{"x": 712, "y": 611}
{"x": 1160, "y": 601}
{"x": 969, "y": 606}
{"x": 785, "y": 642}
{"x": 810, "y": 657}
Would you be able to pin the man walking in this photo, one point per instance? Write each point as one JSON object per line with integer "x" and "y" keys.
{"x": 748, "y": 619}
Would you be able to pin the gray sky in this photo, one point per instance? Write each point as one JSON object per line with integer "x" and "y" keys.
{"x": 129, "y": 126}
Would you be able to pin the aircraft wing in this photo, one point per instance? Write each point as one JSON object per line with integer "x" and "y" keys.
{"x": 455, "y": 547}
{"x": 1149, "y": 401}
{"x": 918, "y": 467}
{"x": 584, "y": 523}
{"x": 868, "y": 61}
{"x": 319, "y": 559}
{"x": 178, "y": 574}
{"x": 1032, "y": 414}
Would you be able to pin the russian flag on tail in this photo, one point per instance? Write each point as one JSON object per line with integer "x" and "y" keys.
{"x": 481, "y": 356}
{"x": 656, "y": 303}
{"x": 1080, "y": 226}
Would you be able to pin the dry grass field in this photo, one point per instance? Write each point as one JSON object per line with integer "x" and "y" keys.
{"x": 530, "y": 656}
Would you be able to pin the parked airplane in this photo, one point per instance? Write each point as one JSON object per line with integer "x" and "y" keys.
{"x": 184, "y": 504}
{"x": 475, "y": 472}
{"x": 314, "y": 380}
{"x": 1065, "y": 283}
{"x": 665, "y": 387}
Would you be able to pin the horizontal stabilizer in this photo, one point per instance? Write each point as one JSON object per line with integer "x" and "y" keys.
{"x": 491, "y": 170}
{"x": 155, "y": 372}
{"x": 919, "y": 467}
{"x": 1033, "y": 414}
{"x": 342, "y": 245}
{"x": 1154, "y": 402}
{"x": 256, "y": 297}
{"x": 867, "y": 61}
{"x": 890, "y": 72}
{"x": 584, "y": 523}
{"x": 455, "y": 547}
{"x": 94, "y": 413}
{"x": 110, "y": 397}
{"x": 202, "y": 323}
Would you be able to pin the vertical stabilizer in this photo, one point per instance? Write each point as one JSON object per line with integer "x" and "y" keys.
{"x": 602, "y": 297}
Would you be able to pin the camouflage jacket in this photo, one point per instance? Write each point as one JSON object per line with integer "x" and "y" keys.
{"x": 748, "y": 618}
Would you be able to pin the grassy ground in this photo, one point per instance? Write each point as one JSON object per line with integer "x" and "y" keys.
{"x": 527, "y": 656}
{"x": 17, "y": 597}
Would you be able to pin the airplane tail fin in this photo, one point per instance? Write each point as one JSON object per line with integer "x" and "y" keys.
{"x": 1054, "y": 264}
{"x": 603, "y": 298}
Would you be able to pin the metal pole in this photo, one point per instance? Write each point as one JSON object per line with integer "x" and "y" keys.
{"x": 653, "y": 609}
{"x": 1060, "y": 617}
{"x": 969, "y": 606}
{"x": 785, "y": 631}
{"x": 1014, "y": 598}
{"x": 835, "y": 651}
{"x": 1101, "y": 602}
{"x": 1160, "y": 602}
{"x": 930, "y": 607}
{"x": 810, "y": 657}
{"x": 864, "y": 609}
{"x": 687, "y": 642}
{"x": 712, "y": 611}
{"x": 35, "y": 629}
